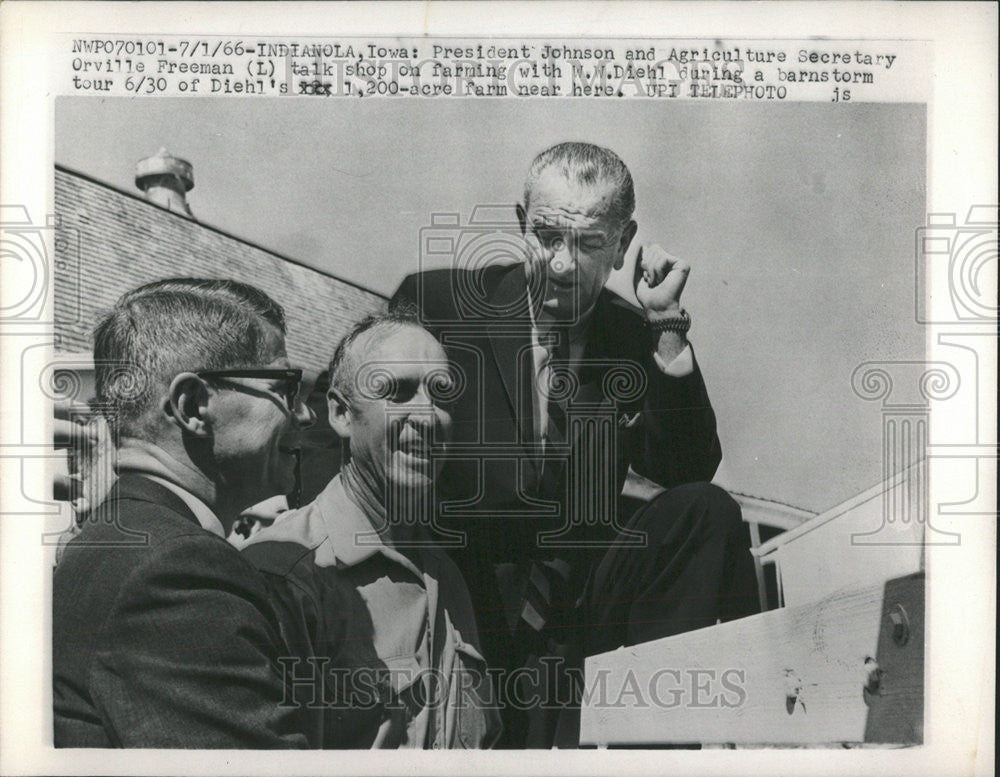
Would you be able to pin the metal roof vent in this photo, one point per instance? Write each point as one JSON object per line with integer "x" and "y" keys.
{"x": 165, "y": 180}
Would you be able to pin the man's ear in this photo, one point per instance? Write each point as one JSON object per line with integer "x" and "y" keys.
{"x": 339, "y": 413}
{"x": 627, "y": 236}
{"x": 186, "y": 404}
{"x": 522, "y": 219}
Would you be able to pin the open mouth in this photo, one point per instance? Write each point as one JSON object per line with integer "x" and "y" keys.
{"x": 560, "y": 287}
{"x": 415, "y": 448}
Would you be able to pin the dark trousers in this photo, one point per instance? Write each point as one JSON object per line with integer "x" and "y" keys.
{"x": 694, "y": 570}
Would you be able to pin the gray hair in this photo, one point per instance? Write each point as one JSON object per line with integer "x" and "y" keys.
{"x": 346, "y": 363}
{"x": 586, "y": 163}
{"x": 177, "y": 325}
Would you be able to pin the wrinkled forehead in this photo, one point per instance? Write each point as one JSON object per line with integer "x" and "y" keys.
{"x": 557, "y": 199}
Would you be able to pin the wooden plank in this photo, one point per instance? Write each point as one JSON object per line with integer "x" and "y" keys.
{"x": 896, "y": 711}
{"x": 844, "y": 508}
{"x": 792, "y": 676}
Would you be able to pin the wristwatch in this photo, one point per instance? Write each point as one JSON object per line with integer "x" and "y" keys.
{"x": 679, "y": 321}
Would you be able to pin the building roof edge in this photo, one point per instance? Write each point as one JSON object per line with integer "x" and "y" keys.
{"x": 284, "y": 257}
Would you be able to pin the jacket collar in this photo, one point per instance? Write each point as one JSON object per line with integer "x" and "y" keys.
{"x": 136, "y": 486}
{"x": 207, "y": 519}
{"x": 351, "y": 535}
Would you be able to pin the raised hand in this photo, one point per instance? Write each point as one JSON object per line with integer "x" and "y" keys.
{"x": 659, "y": 280}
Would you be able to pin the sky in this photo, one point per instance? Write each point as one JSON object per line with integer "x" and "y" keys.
{"x": 798, "y": 221}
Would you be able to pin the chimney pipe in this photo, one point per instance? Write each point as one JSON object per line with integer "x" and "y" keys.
{"x": 165, "y": 180}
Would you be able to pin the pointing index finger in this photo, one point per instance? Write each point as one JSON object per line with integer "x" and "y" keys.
{"x": 638, "y": 270}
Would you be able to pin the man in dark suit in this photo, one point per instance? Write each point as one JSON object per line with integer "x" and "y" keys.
{"x": 568, "y": 385}
{"x": 162, "y": 633}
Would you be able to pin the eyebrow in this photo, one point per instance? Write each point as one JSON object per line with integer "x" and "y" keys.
{"x": 585, "y": 232}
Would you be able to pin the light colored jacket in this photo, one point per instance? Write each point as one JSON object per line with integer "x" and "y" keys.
{"x": 386, "y": 642}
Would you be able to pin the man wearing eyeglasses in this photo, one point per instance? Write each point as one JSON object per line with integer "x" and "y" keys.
{"x": 162, "y": 632}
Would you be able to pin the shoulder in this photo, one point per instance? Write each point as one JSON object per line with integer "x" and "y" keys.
{"x": 619, "y": 325}
{"x": 292, "y": 540}
{"x": 294, "y": 559}
{"x": 124, "y": 533}
{"x": 442, "y": 277}
{"x": 178, "y": 576}
{"x": 191, "y": 567}
{"x": 439, "y": 293}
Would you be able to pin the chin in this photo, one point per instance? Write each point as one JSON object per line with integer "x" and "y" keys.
{"x": 560, "y": 306}
{"x": 411, "y": 479}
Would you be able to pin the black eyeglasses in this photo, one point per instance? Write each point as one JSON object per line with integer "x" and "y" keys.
{"x": 289, "y": 388}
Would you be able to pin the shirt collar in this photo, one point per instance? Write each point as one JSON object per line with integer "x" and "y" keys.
{"x": 352, "y": 535}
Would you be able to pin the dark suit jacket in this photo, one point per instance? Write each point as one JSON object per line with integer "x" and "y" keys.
{"x": 493, "y": 487}
{"x": 162, "y": 634}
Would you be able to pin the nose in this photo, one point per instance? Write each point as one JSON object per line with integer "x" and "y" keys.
{"x": 560, "y": 258}
{"x": 304, "y": 415}
{"x": 424, "y": 410}
{"x": 422, "y": 403}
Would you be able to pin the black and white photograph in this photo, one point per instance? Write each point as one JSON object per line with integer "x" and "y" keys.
{"x": 500, "y": 393}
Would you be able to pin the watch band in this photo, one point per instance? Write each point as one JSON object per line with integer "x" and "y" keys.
{"x": 679, "y": 322}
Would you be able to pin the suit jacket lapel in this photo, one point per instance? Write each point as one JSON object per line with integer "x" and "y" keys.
{"x": 612, "y": 324}
{"x": 613, "y": 327}
{"x": 600, "y": 351}
{"x": 510, "y": 342}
